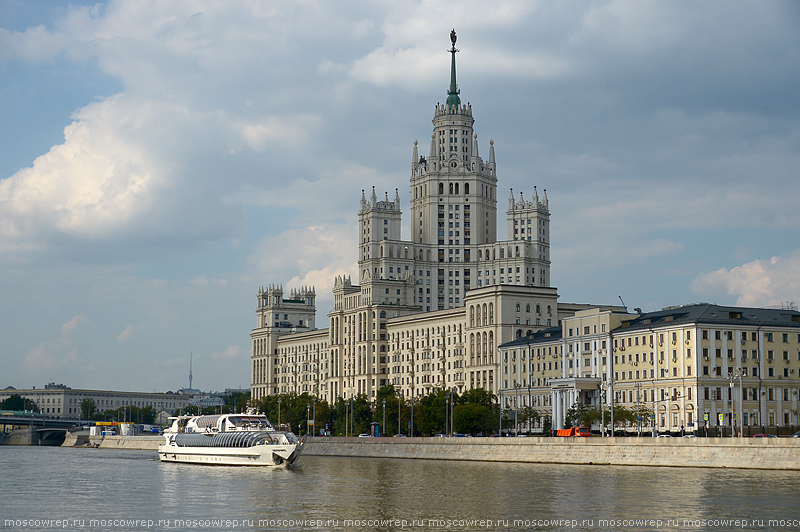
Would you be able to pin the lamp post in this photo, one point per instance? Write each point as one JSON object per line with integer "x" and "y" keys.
{"x": 398, "y": 415}
{"x": 732, "y": 378}
{"x": 530, "y": 409}
{"x": 452, "y": 410}
{"x": 500, "y": 412}
{"x": 384, "y": 417}
{"x": 638, "y": 386}
{"x": 447, "y": 412}
{"x": 279, "y": 413}
{"x": 608, "y": 393}
{"x": 412, "y": 417}
{"x": 516, "y": 409}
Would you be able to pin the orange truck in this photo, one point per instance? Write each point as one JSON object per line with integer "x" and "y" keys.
{"x": 574, "y": 431}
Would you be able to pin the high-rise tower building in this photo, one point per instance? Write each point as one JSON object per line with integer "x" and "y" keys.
{"x": 452, "y": 252}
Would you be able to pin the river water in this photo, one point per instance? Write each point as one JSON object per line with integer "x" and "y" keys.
{"x": 53, "y": 488}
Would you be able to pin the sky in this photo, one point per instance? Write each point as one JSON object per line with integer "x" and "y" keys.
{"x": 159, "y": 161}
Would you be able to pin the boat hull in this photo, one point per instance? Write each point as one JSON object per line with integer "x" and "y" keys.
{"x": 259, "y": 455}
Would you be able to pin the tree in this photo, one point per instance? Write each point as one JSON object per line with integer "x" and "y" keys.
{"x": 478, "y": 396}
{"x": 17, "y": 402}
{"x": 473, "y": 418}
{"x": 88, "y": 408}
{"x": 389, "y": 394}
{"x": 236, "y": 402}
{"x": 581, "y": 415}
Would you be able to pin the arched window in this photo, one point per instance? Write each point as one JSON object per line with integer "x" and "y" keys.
{"x": 528, "y": 307}
{"x": 517, "y": 307}
{"x": 383, "y": 314}
{"x": 466, "y": 188}
{"x": 538, "y": 309}
{"x": 456, "y": 188}
{"x": 451, "y": 188}
{"x": 441, "y": 188}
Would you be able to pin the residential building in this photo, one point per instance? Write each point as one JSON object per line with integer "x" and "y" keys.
{"x": 429, "y": 310}
{"x": 62, "y": 402}
{"x": 694, "y": 366}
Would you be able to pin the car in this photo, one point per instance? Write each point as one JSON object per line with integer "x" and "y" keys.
{"x": 665, "y": 435}
{"x": 689, "y": 436}
{"x": 764, "y": 436}
{"x": 365, "y": 435}
{"x": 399, "y": 435}
{"x": 796, "y": 434}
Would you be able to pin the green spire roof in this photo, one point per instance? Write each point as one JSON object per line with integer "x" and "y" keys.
{"x": 453, "y": 99}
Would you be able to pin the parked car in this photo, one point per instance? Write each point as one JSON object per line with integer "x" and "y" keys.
{"x": 764, "y": 436}
{"x": 796, "y": 434}
{"x": 365, "y": 435}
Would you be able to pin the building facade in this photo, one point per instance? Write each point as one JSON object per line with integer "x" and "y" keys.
{"x": 429, "y": 310}
{"x": 62, "y": 402}
{"x": 695, "y": 367}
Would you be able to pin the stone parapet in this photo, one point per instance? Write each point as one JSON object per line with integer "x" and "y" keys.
{"x": 752, "y": 453}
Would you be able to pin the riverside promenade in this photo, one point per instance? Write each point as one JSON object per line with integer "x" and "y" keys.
{"x": 744, "y": 453}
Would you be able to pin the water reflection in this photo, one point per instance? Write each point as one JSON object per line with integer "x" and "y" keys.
{"x": 96, "y": 483}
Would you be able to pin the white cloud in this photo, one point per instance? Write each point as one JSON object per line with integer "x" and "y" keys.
{"x": 73, "y": 324}
{"x": 126, "y": 333}
{"x": 759, "y": 283}
{"x": 319, "y": 253}
{"x": 230, "y": 353}
{"x": 51, "y": 355}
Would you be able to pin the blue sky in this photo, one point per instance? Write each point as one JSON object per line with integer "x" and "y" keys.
{"x": 161, "y": 160}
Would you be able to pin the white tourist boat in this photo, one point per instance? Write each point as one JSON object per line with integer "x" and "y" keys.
{"x": 229, "y": 439}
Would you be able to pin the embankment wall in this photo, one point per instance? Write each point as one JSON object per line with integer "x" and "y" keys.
{"x": 752, "y": 453}
{"x": 747, "y": 453}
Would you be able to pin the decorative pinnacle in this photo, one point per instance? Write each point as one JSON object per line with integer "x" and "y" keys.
{"x": 453, "y": 99}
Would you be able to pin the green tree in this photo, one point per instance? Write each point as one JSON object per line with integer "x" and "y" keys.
{"x": 430, "y": 412}
{"x": 235, "y": 402}
{"x": 581, "y": 415}
{"x": 17, "y": 402}
{"x": 88, "y": 408}
{"x": 478, "y": 396}
{"x": 392, "y": 408}
{"x": 474, "y": 418}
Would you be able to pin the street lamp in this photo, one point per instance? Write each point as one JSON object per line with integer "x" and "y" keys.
{"x": 638, "y": 386}
{"x": 446, "y": 412}
{"x": 384, "y": 416}
{"x": 412, "y": 417}
{"x": 608, "y": 392}
{"x": 732, "y": 378}
{"x": 279, "y": 413}
{"x": 452, "y": 410}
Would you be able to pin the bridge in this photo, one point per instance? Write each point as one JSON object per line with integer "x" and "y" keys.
{"x": 33, "y": 430}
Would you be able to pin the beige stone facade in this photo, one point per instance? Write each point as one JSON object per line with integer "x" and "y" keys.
{"x": 429, "y": 310}
{"x": 689, "y": 365}
{"x": 65, "y": 403}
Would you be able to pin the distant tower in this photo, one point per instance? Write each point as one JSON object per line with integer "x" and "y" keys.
{"x": 190, "y": 370}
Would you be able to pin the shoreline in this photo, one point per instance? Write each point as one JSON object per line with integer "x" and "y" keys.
{"x": 716, "y": 453}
